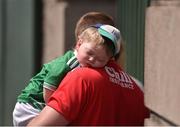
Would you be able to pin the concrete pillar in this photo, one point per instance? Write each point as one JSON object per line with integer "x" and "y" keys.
{"x": 162, "y": 62}
{"x": 53, "y": 29}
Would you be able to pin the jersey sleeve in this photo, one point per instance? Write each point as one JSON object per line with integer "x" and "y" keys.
{"x": 58, "y": 68}
{"x": 70, "y": 96}
{"x": 55, "y": 75}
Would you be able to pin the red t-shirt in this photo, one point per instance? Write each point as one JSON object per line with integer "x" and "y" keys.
{"x": 106, "y": 96}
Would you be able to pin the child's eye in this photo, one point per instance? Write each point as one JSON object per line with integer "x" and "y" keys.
{"x": 89, "y": 53}
{"x": 101, "y": 60}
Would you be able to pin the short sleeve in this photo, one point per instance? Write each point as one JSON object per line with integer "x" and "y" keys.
{"x": 58, "y": 68}
{"x": 56, "y": 73}
{"x": 69, "y": 97}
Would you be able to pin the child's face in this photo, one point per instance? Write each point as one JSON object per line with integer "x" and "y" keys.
{"x": 90, "y": 54}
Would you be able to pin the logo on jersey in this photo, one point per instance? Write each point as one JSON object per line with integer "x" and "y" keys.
{"x": 119, "y": 78}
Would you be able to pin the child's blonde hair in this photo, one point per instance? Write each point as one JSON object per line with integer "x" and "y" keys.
{"x": 91, "y": 34}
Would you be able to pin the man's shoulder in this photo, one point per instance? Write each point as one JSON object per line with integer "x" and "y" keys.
{"x": 83, "y": 70}
{"x": 86, "y": 72}
{"x": 89, "y": 70}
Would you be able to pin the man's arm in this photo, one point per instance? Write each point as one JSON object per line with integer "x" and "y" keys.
{"x": 48, "y": 117}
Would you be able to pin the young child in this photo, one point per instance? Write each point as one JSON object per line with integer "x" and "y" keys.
{"x": 99, "y": 17}
{"x": 95, "y": 46}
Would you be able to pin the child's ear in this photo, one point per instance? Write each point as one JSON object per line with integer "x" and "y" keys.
{"x": 78, "y": 43}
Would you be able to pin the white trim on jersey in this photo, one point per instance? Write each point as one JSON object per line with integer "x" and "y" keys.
{"x": 49, "y": 86}
{"x": 73, "y": 62}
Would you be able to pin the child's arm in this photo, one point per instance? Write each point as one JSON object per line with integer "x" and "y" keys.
{"x": 46, "y": 94}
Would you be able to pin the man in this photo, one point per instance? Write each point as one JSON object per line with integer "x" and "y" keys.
{"x": 88, "y": 96}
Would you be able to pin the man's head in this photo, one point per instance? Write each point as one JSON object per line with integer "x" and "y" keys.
{"x": 92, "y": 18}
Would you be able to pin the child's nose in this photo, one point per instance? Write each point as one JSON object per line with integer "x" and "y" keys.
{"x": 91, "y": 58}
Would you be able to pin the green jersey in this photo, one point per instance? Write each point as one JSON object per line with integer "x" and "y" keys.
{"x": 49, "y": 77}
